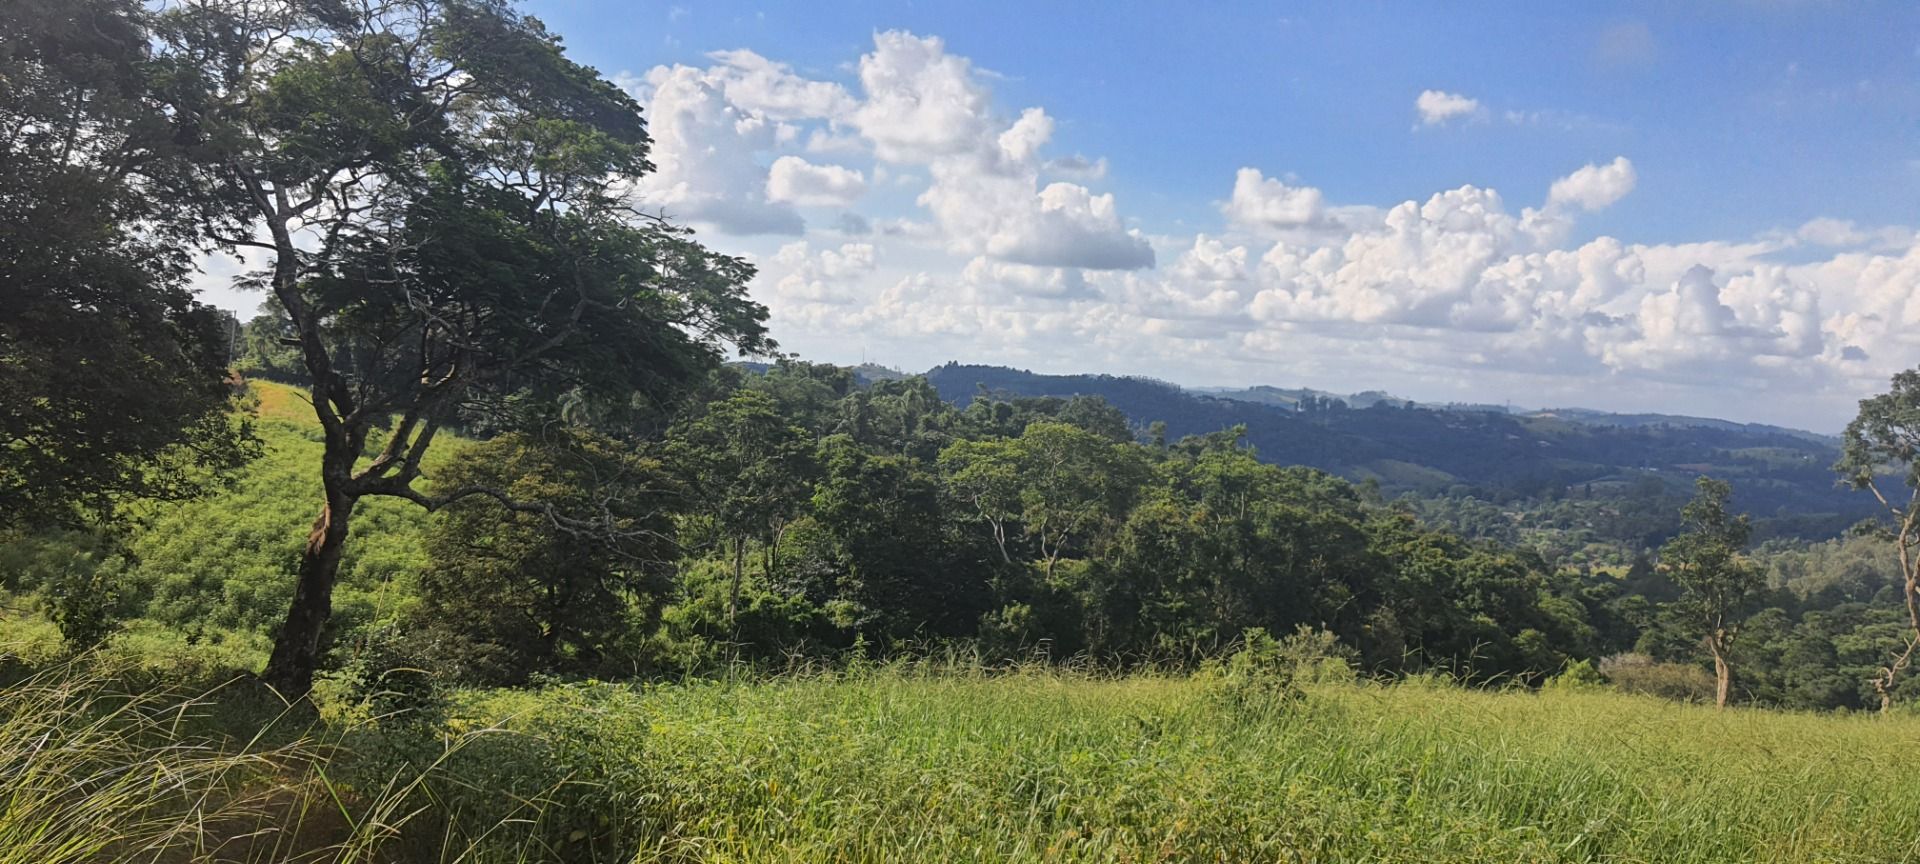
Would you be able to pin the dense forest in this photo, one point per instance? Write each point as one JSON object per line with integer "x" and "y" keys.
{"x": 798, "y": 512}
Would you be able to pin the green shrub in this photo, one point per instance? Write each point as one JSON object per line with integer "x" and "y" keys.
{"x": 76, "y": 575}
{"x": 385, "y": 675}
{"x": 85, "y": 604}
{"x": 1265, "y": 674}
{"x": 1577, "y": 675}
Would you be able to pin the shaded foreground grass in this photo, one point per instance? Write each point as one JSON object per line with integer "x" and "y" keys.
{"x": 93, "y": 770}
{"x": 1031, "y": 766}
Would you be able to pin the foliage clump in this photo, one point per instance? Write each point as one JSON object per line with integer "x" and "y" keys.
{"x": 1638, "y": 673}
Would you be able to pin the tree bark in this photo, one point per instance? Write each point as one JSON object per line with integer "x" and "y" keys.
{"x": 296, "y": 650}
{"x": 1000, "y": 537}
{"x": 773, "y": 551}
{"x": 1910, "y": 569}
{"x": 1722, "y": 675}
{"x": 739, "y": 567}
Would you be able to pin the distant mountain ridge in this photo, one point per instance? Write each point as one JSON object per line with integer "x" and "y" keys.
{"x": 1608, "y": 418}
{"x": 1479, "y": 450}
{"x": 1270, "y": 395}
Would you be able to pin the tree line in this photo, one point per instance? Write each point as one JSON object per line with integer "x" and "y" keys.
{"x": 798, "y": 512}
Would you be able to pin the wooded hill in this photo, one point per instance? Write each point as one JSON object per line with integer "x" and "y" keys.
{"x": 1783, "y": 477}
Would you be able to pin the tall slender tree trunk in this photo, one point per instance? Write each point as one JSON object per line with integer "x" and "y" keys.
{"x": 296, "y": 650}
{"x": 772, "y": 563}
{"x": 739, "y": 568}
{"x": 1889, "y": 675}
{"x": 1000, "y": 537}
{"x": 1722, "y": 674}
{"x": 1911, "y": 569}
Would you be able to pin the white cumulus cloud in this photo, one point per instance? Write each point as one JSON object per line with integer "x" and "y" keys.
{"x": 1594, "y": 187}
{"x": 795, "y": 180}
{"x": 1438, "y": 106}
{"x": 826, "y": 277}
{"x": 1267, "y": 202}
{"x": 927, "y": 107}
{"x": 762, "y": 86}
{"x": 921, "y": 102}
{"x": 704, "y": 152}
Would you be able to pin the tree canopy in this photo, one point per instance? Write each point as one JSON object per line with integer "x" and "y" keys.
{"x": 440, "y": 192}
{"x": 112, "y": 377}
{"x": 1882, "y": 444}
{"x": 1718, "y": 585}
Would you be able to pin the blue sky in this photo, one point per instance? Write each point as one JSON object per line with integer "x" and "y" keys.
{"x": 1747, "y": 114}
{"x": 1693, "y": 206}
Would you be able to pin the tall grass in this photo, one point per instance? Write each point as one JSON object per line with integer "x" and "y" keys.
{"x": 98, "y": 764}
{"x": 1044, "y": 766}
{"x": 935, "y": 762}
{"x": 89, "y": 773}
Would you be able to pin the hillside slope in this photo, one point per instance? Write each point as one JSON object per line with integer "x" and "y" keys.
{"x": 223, "y": 562}
{"x": 1777, "y": 473}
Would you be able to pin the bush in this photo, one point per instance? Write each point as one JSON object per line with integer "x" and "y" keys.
{"x": 387, "y": 674}
{"x": 1578, "y": 675}
{"x": 85, "y": 604}
{"x": 77, "y": 575}
{"x": 1266, "y": 674}
{"x": 1638, "y": 673}
{"x": 1317, "y": 655}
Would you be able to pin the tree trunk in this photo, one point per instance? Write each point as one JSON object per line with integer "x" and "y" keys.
{"x": 1722, "y": 677}
{"x": 773, "y": 552}
{"x": 739, "y": 567}
{"x": 296, "y": 650}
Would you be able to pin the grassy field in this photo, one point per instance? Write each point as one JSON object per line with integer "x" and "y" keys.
{"x": 1052, "y": 767}
{"x": 896, "y": 765}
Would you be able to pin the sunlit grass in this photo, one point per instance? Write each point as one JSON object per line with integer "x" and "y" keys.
{"x": 282, "y": 402}
{"x": 1050, "y": 767}
{"x": 939, "y": 762}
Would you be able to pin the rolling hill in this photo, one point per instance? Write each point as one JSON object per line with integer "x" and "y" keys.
{"x": 1482, "y": 452}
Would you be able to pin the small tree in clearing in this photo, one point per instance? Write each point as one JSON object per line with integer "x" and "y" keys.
{"x": 1718, "y": 585}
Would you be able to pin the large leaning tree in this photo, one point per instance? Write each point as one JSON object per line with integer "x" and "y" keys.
{"x": 441, "y": 193}
{"x": 1880, "y": 452}
{"x": 112, "y": 378}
